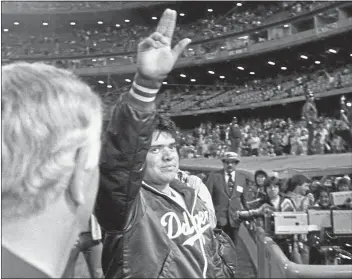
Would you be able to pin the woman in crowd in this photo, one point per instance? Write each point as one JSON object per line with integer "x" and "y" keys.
{"x": 272, "y": 191}
{"x": 343, "y": 184}
{"x": 259, "y": 177}
{"x": 323, "y": 200}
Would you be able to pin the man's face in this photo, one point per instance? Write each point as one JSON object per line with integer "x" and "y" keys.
{"x": 162, "y": 160}
{"x": 304, "y": 188}
{"x": 229, "y": 165}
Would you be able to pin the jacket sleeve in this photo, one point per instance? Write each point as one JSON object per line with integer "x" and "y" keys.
{"x": 123, "y": 154}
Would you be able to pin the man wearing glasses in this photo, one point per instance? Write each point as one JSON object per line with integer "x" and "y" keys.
{"x": 227, "y": 188}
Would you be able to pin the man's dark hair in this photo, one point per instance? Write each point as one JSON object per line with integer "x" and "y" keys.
{"x": 296, "y": 180}
{"x": 163, "y": 123}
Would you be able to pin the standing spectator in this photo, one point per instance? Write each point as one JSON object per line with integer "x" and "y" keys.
{"x": 50, "y": 154}
{"x": 227, "y": 189}
{"x": 318, "y": 146}
{"x": 254, "y": 142}
{"x": 310, "y": 115}
{"x": 235, "y": 135}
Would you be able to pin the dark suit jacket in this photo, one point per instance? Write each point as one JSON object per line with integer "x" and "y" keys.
{"x": 225, "y": 204}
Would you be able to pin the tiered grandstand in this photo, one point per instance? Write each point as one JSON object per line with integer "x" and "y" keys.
{"x": 247, "y": 59}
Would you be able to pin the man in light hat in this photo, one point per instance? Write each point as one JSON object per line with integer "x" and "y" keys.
{"x": 227, "y": 189}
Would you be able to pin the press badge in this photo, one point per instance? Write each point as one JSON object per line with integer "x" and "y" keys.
{"x": 239, "y": 189}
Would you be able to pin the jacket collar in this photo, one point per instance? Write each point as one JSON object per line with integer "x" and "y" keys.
{"x": 188, "y": 193}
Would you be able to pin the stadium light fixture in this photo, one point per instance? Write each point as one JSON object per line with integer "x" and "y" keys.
{"x": 239, "y": 4}
{"x": 304, "y": 57}
{"x": 45, "y": 23}
{"x": 72, "y": 23}
{"x": 222, "y": 77}
{"x": 348, "y": 104}
{"x": 351, "y": 54}
{"x": 317, "y": 62}
{"x": 127, "y": 20}
{"x": 101, "y": 82}
{"x": 332, "y": 50}
{"x": 100, "y": 22}
{"x": 182, "y": 75}
{"x": 6, "y": 30}
{"x": 252, "y": 73}
{"x": 109, "y": 86}
{"x": 193, "y": 80}
{"x": 240, "y": 68}
{"x": 283, "y": 68}
{"x": 164, "y": 82}
{"x": 128, "y": 80}
{"x": 286, "y": 25}
{"x": 154, "y": 18}
{"x": 16, "y": 23}
{"x": 211, "y": 72}
{"x": 94, "y": 60}
{"x": 271, "y": 63}
{"x": 210, "y": 10}
{"x": 182, "y": 14}
{"x": 112, "y": 58}
{"x": 190, "y": 49}
{"x": 117, "y": 25}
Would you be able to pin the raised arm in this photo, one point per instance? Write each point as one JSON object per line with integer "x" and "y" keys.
{"x": 129, "y": 132}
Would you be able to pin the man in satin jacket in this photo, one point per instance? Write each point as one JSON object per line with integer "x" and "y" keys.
{"x": 155, "y": 226}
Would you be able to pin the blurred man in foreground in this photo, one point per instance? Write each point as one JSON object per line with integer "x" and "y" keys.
{"x": 155, "y": 226}
{"x": 50, "y": 152}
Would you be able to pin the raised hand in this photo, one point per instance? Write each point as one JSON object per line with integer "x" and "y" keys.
{"x": 155, "y": 58}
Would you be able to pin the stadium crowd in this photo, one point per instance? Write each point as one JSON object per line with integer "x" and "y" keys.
{"x": 116, "y": 38}
{"x": 311, "y": 78}
{"x": 271, "y": 137}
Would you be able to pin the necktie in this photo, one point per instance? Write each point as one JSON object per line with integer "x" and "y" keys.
{"x": 230, "y": 182}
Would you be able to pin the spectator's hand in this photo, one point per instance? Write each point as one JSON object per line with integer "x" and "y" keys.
{"x": 155, "y": 58}
{"x": 311, "y": 198}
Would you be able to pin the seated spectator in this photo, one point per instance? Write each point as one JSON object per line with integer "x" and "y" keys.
{"x": 50, "y": 154}
{"x": 323, "y": 199}
{"x": 343, "y": 184}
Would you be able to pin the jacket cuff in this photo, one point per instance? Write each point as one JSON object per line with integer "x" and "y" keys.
{"x": 143, "y": 92}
